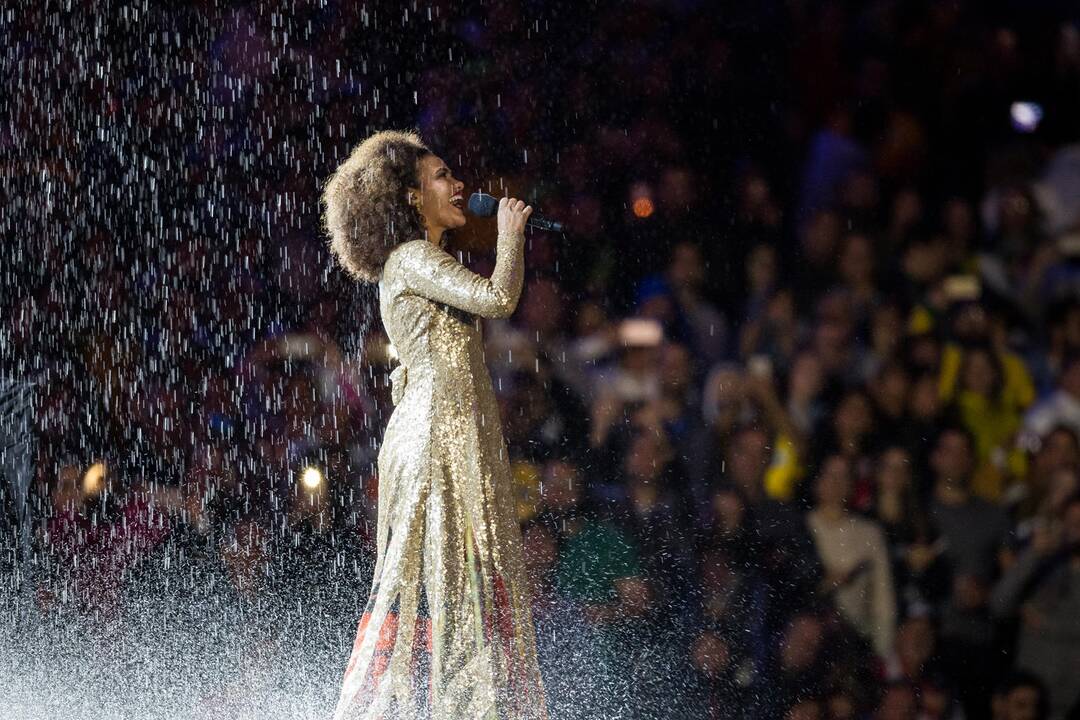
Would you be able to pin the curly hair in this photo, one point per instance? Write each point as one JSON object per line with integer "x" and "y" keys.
{"x": 365, "y": 212}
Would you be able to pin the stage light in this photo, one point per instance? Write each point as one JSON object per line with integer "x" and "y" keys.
{"x": 94, "y": 478}
{"x": 312, "y": 478}
{"x": 1025, "y": 116}
{"x": 643, "y": 207}
{"x": 641, "y": 202}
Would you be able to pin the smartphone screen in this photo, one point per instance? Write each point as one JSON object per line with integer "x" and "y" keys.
{"x": 959, "y": 288}
{"x": 640, "y": 332}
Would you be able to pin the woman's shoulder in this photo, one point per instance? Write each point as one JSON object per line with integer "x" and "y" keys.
{"x": 409, "y": 247}
{"x": 419, "y": 248}
{"x": 408, "y": 251}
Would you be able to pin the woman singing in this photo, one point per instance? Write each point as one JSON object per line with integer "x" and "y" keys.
{"x": 447, "y": 633}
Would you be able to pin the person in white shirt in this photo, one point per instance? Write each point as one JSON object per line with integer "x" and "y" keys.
{"x": 853, "y": 553}
{"x": 1061, "y": 407}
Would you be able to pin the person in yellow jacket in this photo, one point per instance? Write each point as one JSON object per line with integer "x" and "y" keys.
{"x": 989, "y": 389}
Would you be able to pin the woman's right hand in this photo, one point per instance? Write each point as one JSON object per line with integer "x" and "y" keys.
{"x": 512, "y": 216}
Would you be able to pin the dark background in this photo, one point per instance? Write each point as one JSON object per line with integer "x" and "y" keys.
{"x": 162, "y": 166}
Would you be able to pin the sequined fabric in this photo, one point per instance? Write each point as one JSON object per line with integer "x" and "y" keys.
{"x": 447, "y": 633}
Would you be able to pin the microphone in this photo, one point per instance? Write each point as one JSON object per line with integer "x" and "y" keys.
{"x": 484, "y": 205}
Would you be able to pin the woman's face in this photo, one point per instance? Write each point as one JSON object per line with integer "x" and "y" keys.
{"x": 761, "y": 267}
{"x": 857, "y": 260}
{"x": 729, "y": 509}
{"x": 834, "y": 483}
{"x": 894, "y": 471}
{"x": 888, "y": 328}
{"x": 807, "y": 376}
{"x": 439, "y": 196}
{"x": 924, "y": 403}
{"x": 854, "y": 416}
{"x": 980, "y": 376}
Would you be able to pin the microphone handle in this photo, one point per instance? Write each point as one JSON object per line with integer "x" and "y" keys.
{"x": 541, "y": 223}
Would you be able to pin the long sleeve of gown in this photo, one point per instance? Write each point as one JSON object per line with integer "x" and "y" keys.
{"x": 431, "y": 272}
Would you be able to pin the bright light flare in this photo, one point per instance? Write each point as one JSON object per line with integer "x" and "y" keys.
{"x": 312, "y": 478}
{"x": 94, "y": 478}
{"x": 641, "y": 202}
{"x": 1026, "y": 116}
{"x": 643, "y": 207}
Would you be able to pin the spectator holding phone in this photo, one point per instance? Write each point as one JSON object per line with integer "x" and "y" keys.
{"x": 1043, "y": 589}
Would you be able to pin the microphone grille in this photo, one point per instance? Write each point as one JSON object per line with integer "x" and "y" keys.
{"x": 483, "y": 205}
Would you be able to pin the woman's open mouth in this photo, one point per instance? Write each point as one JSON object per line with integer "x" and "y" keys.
{"x": 458, "y": 202}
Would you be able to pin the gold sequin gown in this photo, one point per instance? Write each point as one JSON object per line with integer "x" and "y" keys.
{"x": 447, "y": 633}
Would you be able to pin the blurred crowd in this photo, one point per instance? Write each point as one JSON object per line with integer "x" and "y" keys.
{"x": 793, "y": 410}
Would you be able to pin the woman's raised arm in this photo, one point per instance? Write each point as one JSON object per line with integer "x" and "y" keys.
{"x": 431, "y": 272}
